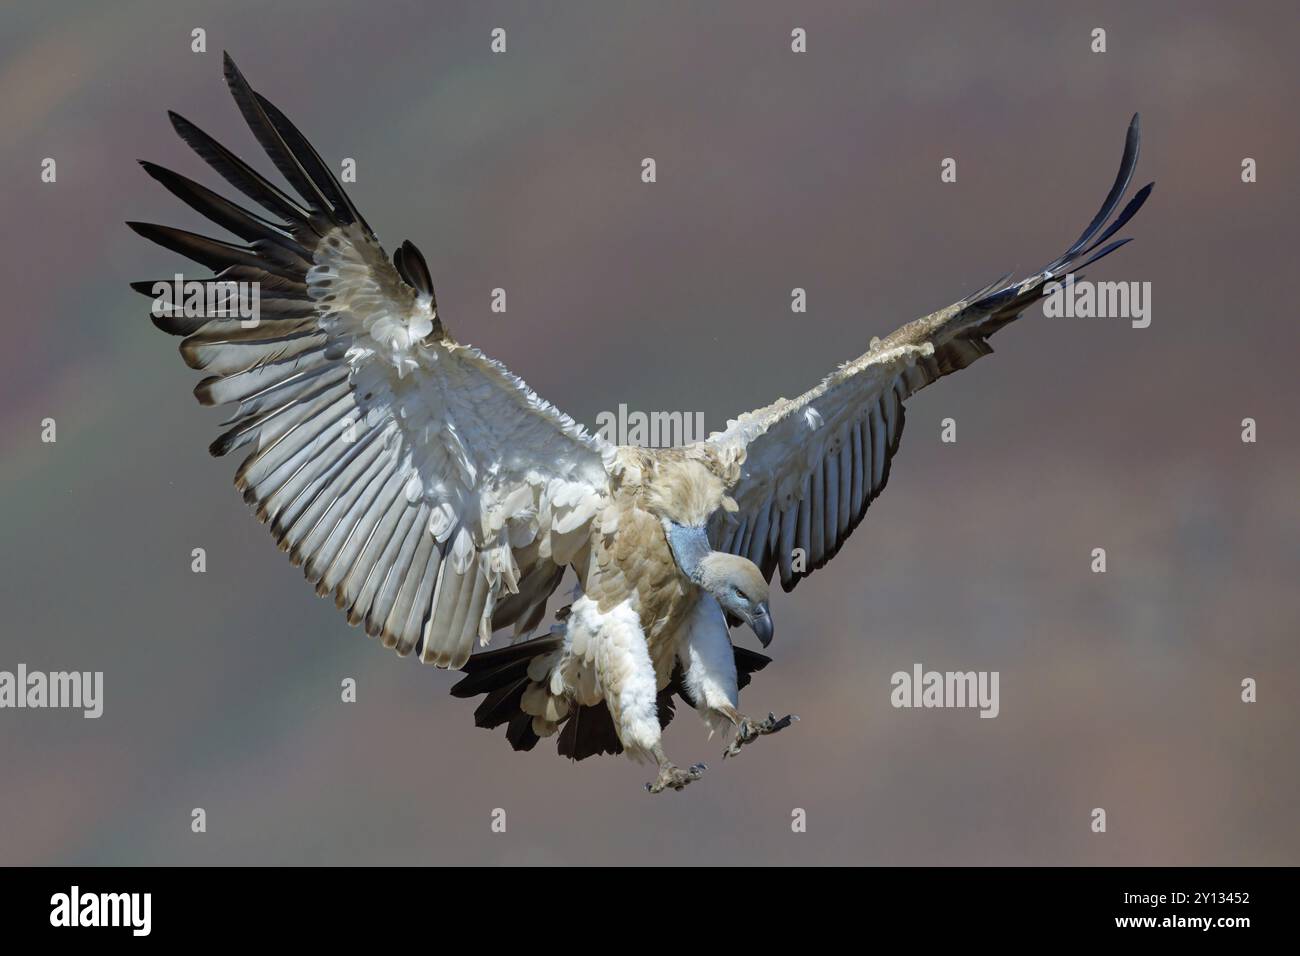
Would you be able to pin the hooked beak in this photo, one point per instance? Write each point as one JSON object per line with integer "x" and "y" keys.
{"x": 762, "y": 624}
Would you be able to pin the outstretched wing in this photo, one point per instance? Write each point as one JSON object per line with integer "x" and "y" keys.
{"x": 812, "y": 466}
{"x": 420, "y": 483}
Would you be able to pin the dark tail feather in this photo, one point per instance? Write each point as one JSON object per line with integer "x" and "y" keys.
{"x": 501, "y": 703}
{"x": 520, "y": 732}
{"x": 490, "y": 670}
{"x": 502, "y": 675}
{"x": 589, "y": 731}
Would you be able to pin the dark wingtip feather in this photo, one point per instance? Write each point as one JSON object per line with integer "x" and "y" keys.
{"x": 1107, "y": 250}
{"x": 1006, "y": 303}
{"x": 213, "y": 253}
{"x": 1134, "y": 204}
{"x": 243, "y": 223}
{"x": 1127, "y": 164}
{"x": 238, "y": 173}
{"x": 271, "y": 140}
{"x": 344, "y": 210}
{"x": 173, "y": 323}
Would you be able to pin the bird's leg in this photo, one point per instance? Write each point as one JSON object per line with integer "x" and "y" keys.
{"x": 672, "y": 776}
{"x": 630, "y": 683}
{"x": 748, "y": 730}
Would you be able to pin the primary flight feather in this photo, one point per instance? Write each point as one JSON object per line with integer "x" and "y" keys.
{"x": 438, "y": 499}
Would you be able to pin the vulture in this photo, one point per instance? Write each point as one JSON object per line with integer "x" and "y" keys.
{"x": 438, "y": 499}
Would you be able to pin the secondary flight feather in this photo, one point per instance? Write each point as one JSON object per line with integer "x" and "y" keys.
{"x": 438, "y": 499}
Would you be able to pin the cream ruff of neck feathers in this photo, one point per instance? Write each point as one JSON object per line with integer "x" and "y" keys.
{"x": 438, "y": 499}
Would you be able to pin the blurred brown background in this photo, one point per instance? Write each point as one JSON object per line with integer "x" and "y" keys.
{"x": 775, "y": 170}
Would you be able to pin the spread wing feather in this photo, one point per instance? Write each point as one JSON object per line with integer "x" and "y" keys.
{"x": 417, "y": 481}
{"x": 813, "y": 465}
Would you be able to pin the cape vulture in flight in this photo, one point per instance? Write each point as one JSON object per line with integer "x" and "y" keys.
{"x": 438, "y": 499}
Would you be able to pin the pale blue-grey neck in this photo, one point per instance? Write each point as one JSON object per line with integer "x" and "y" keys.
{"x": 690, "y": 546}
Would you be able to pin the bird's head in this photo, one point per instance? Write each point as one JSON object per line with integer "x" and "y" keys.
{"x": 738, "y": 586}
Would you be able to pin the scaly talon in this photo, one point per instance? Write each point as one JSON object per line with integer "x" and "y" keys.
{"x": 674, "y": 777}
{"x": 747, "y": 731}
